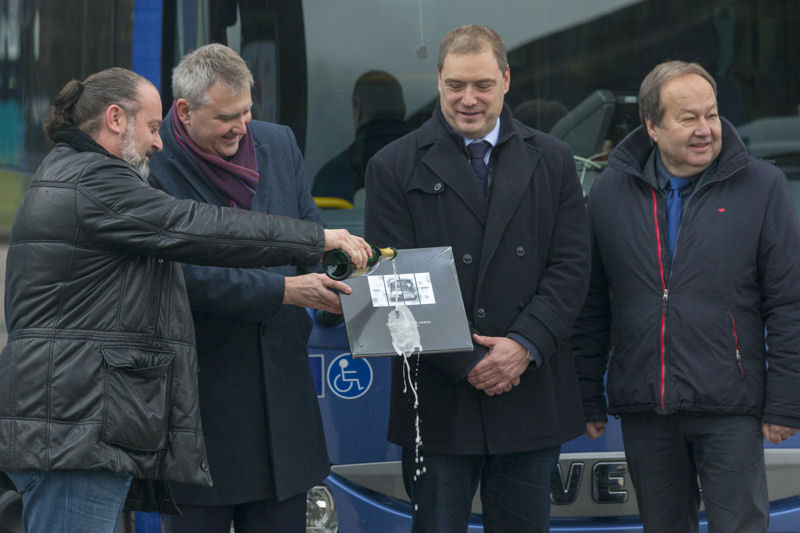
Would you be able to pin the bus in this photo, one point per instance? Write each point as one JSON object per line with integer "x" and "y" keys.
{"x": 576, "y": 66}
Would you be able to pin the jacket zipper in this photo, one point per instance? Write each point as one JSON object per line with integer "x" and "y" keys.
{"x": 736, "y": 346}
{"x": 664, "y": 299}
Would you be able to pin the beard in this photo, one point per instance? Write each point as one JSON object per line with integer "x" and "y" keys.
{"x": 130, "y": 155}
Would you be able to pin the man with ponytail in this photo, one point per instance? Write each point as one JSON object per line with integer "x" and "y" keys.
{"x": 98, "y": 382}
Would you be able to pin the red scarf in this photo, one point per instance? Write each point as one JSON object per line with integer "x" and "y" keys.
{"x": 236, "y": 177}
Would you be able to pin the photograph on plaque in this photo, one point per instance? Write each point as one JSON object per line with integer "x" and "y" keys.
{"x": 425, "y": 283}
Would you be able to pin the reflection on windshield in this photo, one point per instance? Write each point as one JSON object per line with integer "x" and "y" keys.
{"x": 580, "y": 79}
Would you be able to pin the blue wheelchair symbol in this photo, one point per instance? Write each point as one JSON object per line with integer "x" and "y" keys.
{"x": 349, "y": 378}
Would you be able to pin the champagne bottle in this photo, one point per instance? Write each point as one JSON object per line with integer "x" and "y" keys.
{"x": 338, "y": 265}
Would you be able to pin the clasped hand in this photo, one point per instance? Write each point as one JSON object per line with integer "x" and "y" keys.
{"x": 501, "y": 367}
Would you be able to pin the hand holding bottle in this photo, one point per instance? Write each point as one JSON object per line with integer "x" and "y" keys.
{"x": 356, "y": 247}
{"x": 338, "y": 265}
{"x": 316, "y": 291}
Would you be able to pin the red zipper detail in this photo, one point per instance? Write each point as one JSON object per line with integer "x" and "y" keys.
{"x": 736, "y": 346}
{"x": 664, "y": 290}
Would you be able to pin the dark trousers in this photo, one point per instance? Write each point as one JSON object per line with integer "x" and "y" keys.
{"x": 515, "y": 491}
{"x": 667, "y": 454}
{"x": 264, "y": 516}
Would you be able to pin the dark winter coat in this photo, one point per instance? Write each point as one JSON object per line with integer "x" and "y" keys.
{"x": 523, "y": 265}
{"x": 258, "y": 403}
{"x": 100, "y": 371}
{"x": 687, "y": 335}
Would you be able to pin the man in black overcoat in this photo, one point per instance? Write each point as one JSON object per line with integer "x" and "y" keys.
{"x": 514, "y": 216}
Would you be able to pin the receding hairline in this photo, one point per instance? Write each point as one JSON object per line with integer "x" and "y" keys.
{"x": 484, "y": 48}
{"x": 686, "y": 76}
{"x": 650, "y": 105}
{"x": 473, "y": 39}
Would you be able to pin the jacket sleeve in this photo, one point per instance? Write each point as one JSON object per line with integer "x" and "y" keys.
{"x": 591, "y": 337}
{"x": 306, "y": 207}
{"x": 119, "y": 211}
{"x": 248, "y": 294}
{"x": 561, "y": 291}
{"x": 779, "y": 274}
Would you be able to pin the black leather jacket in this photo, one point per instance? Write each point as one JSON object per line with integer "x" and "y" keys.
{"x": 100, "y": 369}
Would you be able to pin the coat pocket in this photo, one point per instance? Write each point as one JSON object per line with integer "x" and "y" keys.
{"x": 136, "y": 398}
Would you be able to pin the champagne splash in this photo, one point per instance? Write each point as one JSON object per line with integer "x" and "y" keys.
{"x": 405, "y": 341}
{"x": 403, "y": 329}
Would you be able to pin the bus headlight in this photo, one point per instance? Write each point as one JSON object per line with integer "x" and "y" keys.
{"x": 320, "y": 511}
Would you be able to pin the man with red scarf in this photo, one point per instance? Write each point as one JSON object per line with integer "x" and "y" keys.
{"x": 258, "y": 406}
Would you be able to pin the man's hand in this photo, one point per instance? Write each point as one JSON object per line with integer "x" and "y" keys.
{"x": 313, "y": 290}
{"x": 356, "y": 247}
{"x": 595, "y": 429}
{"x": 501, "y": 367}
{"x": 776, "y": 434}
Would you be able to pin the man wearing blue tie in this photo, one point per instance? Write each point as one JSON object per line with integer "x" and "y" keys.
{"x": 507, "y": 199}
{"x": 694, "y": 255}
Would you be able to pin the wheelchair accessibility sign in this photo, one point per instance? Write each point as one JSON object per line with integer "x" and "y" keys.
{"x": 349, "y": 378}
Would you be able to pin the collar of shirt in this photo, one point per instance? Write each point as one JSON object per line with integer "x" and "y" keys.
{"x": 663, "y": 175}
{"x": 490, "y": 137}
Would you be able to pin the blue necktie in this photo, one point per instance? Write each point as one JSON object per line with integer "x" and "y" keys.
{"x": 477, "y": 151}
{"x": 674, "y": 211}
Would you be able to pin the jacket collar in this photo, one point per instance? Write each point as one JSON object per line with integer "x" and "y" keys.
{"x": 634, "y": 154}
{"x": 433, "y": 130}
{"x": 185, "y": 167}
{"x": 514, "y": 160}
{"x": 80, "y": 141}
{"x": 441, "y": 146}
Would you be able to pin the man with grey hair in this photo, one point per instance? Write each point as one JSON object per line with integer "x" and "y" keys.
{"x": 98, "y": 395}
{"x": 258, "y": 405}
{"x": 693, "y": 258}
{"x": 507, "y": 199}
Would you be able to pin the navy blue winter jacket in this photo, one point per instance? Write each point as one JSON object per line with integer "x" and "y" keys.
{"x": 687, "y": 335}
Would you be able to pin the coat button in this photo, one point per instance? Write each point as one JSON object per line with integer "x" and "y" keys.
{"x": 520, "y": 251}
{"x": 480, "y": 313}
{"x": 204, "y": 466}
{"x": 467, "y": 259}
{"x": 438, "y": 186}
{"x": 521, "y": 306}
{"x": 160, "y": 260}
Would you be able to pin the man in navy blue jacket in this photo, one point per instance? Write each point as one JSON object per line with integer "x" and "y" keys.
{"x": 258, "y": 404}
{"x": 694, "y": 254}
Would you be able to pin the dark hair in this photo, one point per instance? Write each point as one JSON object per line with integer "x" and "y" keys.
{"x": 471, "y": 39}
{"x": 380, "y": 95}
{"x": 83, "y": 104}
{"x": 650, "y": 90}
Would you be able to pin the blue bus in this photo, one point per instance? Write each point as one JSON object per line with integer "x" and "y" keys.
{"x": 576, "y": 67}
